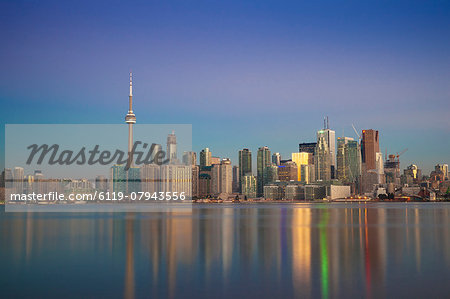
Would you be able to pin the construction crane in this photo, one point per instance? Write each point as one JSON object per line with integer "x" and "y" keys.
{"x": 401, "y": 153}
{"x": 356, "y": 132}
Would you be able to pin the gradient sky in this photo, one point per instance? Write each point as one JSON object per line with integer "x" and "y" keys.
{"x": 243, "y": 73}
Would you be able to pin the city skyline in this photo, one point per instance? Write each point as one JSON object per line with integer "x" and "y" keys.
{"x": 264, "y": 74}
{"x": 321, "y": 155}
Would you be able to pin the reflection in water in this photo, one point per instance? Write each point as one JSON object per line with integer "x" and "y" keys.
{"x": 129, "y": 265}
{"x": 297, "y": 250}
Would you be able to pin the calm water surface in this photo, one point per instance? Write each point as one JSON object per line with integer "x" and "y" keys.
{"x": 259, "y": 250}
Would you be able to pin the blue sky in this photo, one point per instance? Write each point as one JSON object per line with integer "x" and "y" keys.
{"x": 243, "y": 73}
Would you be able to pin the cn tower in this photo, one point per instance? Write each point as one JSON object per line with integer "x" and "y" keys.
{"x": 130, "y": 119}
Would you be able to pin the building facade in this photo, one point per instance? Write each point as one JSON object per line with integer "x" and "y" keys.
{"x": 245, "y": 165}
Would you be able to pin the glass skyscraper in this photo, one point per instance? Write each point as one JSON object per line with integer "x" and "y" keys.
{"x": 245, "y": 165}
{"x": 263, "y": 168}
{"x": 205, "y": 158}
{"x": 322, "y": 157}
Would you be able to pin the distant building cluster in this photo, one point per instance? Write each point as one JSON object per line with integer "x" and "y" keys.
{"x": 329, "y": 168}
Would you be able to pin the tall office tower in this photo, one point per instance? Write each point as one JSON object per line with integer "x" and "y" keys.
{"x": 172, "y": 147}
{"x": 19, "y": 177}
{"x": 442, "y": 168}
{"x": 176, "y": 178}
{"x": 330, "y": 137}
{"x": 222, "y": 177}
{"x": 370, "y": 145}
{"x": 342, "y": 164}
{"x": 150, "y": 178}
{"x": 205, "y": 158}
{"x": 130, "y": 118}
{"x": 372, "y": 160}
{"x": 288, "y": 171}
{"x": 195, "y": 180}
{"x": 276, "y": 159}
{"x": 322, "y": 158}
{"x": 236, "y": 181}
{"x": 245, "y": 165}
{"x": 101, "y": 183}
{"x": 249, "y": 186}
{"x": 300, "y": 159}
{"x": 262, "y": 169}
{"x": 353, "y": 160}
{"x": 190, "y": 158}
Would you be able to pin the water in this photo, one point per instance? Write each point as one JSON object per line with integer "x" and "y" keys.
{"x": 237, "y": 250}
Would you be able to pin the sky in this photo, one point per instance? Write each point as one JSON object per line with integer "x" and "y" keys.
{"x": 243, "y": 73}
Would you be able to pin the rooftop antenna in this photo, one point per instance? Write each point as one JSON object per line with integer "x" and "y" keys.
{"x": 324, "y": 123}
{"x": 328, "y": 124}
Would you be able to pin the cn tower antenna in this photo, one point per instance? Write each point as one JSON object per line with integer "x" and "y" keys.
{"x": 130, "y": 118}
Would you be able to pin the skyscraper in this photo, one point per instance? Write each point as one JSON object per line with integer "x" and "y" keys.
{"x": 322, "y": 158}
{"x": 205, "y": 158}
{"x": 370, "y": 145}
{"x": 342, "y": 166}
{"x": 172, "y": 147}
{"x": 353, "y": 160}
{"x": 372, "y": 160}
{"x": 236, "y": 179}
{"x": 262, "y": 167}
{"x": 245, "y": 165}
{"x": 222, "y": 177}
{"x": 348, "y": 160}
{"x": 195, "y": 180}
{"x": 330, "y": 140}
{"x": 249, "y": 186}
